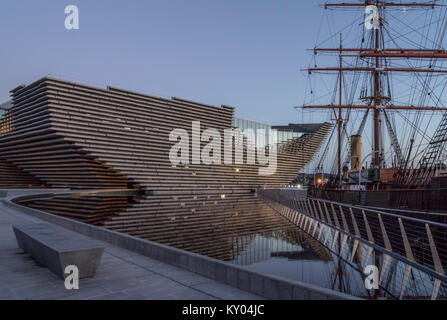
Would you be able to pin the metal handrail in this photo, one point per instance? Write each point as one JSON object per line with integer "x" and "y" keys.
{"x": 434, "y": 223}
{"x": 434, "y": 269}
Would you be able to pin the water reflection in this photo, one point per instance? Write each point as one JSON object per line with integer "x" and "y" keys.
{"x": 290, "y": 243}
{"x": 292, "y": 254}
{"x": 249, "y": 233}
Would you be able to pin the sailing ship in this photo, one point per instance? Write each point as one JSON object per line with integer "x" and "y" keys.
{"x": 390, "y": 76}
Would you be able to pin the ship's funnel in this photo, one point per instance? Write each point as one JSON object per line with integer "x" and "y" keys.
{"x": 356, "y": 152}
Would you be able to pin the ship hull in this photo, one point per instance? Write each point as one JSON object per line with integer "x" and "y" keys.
{"x": 424, "y": 200}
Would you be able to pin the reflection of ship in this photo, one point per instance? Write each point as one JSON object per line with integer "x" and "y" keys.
{"x": 294, "y": 253}
{"x": 396, "y": 78}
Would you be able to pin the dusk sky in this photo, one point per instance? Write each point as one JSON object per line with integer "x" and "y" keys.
{"x": 243, "y": 53}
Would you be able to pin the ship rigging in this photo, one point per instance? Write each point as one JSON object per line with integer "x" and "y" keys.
{"x": 396, "y": 70}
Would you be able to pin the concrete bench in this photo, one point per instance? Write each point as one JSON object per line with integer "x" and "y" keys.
{"x": 56, "y": 248}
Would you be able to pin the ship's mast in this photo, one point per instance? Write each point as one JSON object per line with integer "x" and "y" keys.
{"x": 378, "y": 101}
{"x": 340, "y": 115}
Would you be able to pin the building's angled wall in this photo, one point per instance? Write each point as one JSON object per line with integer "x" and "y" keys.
{"x": 72, "y": 135}
{"x": 33, "y": 145}
{"x": 10, "y": 175}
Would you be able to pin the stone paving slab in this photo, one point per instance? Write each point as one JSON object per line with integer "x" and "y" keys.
{"x": 122, "y": 274}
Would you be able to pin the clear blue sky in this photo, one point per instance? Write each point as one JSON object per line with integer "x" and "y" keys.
{"x": 243, "y": 53}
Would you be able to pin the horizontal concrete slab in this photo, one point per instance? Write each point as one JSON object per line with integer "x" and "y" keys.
{"x": 56, "y": 248}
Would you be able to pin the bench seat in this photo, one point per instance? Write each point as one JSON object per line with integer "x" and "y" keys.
{"x": 56, "y": 248}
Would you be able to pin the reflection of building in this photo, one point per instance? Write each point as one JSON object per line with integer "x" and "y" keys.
{"x": 288, "y": 242}
{"x": 71, "y": 135}
{"x": 221, "y": 230}
{"x": 305, "y": 254}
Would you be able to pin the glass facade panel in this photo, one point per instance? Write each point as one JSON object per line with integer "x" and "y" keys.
{"x": 5, "y": 118}
{"x": 281, "y": 135}
{"x": 244, "y": 124}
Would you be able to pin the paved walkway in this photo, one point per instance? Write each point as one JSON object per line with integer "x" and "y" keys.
{"x": 122, "y": 274}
